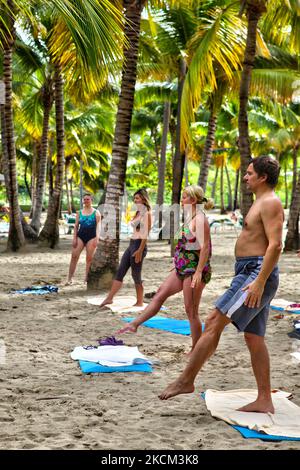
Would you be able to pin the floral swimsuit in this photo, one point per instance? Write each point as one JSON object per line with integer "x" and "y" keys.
{"x": 186, "y": 256}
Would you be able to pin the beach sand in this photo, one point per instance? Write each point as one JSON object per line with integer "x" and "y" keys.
{"x": 46, "y": 401}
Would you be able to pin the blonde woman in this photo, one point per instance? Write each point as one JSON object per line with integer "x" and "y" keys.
{"x": 192, "y": 269}
{"x": 134, "y": 255}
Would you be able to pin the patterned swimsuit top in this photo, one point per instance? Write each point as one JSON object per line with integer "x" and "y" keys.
{"x": 186, "y": 256}
{"x": 87, "y": 220}
{"x": 88, "y": 223}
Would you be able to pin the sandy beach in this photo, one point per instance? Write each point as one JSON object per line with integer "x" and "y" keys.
{"x": 48, "y": 403}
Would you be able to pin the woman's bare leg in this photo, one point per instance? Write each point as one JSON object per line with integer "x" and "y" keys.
{"x": 90, "y": 251}
{"x": 169, "y": 287}
{"x": 74, "y": 259}
{"x": 115, "y": 287}
{"x": 139, "y": 295}
{"x": 192, "y": 299}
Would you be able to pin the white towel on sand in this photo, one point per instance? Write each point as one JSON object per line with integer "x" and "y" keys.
{"x": 111, "y": 356}
{"x": 284, "y": 422}
{"x": 280, "y": 303}
{"x": 120, "y": 301}
{"x": 128, "y": 309}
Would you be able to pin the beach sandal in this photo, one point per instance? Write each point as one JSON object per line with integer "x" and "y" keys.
{"x": 110, "y": 341}
{"x": 294, "y": 334}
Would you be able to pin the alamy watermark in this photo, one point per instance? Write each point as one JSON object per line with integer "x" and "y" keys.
{"x": 167, "y": 220}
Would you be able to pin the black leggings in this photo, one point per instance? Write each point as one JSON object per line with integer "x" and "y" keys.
{"x": 128, "y": 261}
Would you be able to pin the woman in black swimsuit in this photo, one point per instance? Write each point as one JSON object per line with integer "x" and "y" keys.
{"x": 86, "y": 234}
{"x": 137, "y": 250}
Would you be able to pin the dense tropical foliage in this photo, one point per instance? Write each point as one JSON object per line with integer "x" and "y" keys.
{"x": 110, "y": 96}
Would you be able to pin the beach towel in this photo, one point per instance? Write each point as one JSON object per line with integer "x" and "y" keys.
{"x": 296, "y": 355}
{"x": 93, "y": 367}
{"x": 120, "y": 301}
{"x": 285, "y": 422}
{"x": 250, "y": 434}
{"x": 180, "y": 327}
{"x": 283, "y": 305}
{"x": 37, "y": 290}
{"x": 110, "y": 356}
{"x": 132, "y": 309}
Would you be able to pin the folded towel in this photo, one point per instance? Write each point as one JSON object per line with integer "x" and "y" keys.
{"x": 114, "y": 356}
{"x": 93, "y": 367}
{"x": 285, "y": 305}
{"x": 284, "y": 422}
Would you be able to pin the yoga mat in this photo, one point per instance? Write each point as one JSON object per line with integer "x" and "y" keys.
{"x": 180, "y": 327}
{"x": 94, "y": 367}
{"x": 251, "y": 434}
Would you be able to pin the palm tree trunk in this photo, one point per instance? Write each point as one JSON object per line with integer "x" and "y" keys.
{"x": 236, "y": 190}
{"x": 69, "y": 205}
{"x": 72, "y": 196}
{"x": 34, "y": 171}
{"x": 229, "y": 206}
{"x": 4, "y": 154}
{"x": 41, "y": 180}
{"x": 106, "y": 257}
{"x": 255, "y": 8}
{"x": 292, "y": 236}
{"x": 213, "y": 189}
{"x": 295, "y": 158}
{"x": 286, "y": 202}
{"x": 50, "y": 233}
{"x": 162, "y": 164}
{"x": 50, "y": 168}
{"x": 16, "y": 238}
{"x": 179, "y": 159}
{"x": 26, "y": 179}
{"x": 208, "y": 150}
{"x": 222, "y": 205}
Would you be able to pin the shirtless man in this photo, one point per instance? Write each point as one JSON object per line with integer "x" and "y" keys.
{"x": 246, "y": 302}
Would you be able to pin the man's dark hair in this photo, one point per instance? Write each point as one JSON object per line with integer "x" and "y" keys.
{"x": 267, "y": 166}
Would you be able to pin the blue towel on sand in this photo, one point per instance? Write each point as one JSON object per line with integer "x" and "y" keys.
{"x": 180, "y": 327}
{"x": 37, "y": 290}
{"x": 281, "y": 309}
{"x": 251, "y": 434}
{"x": 94, "y": 367}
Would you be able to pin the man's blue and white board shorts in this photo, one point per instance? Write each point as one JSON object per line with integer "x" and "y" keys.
{"x": 231, "y": 303}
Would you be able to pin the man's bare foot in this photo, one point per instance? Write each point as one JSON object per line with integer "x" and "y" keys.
{"x": 68, "y": 282}
{"x": 105, "y": 302}
{"x": 259, "y": 406}
{"x": 176, "y": 388}
{"x": 138, "y": 305}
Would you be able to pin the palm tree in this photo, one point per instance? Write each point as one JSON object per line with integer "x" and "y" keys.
{"x": 254, "y": 10}
{"x": 81, "y": 17}
{"x": 107, "y": 254}
{"x": 292, "y": 236}
{"x": 16, "y": 238}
